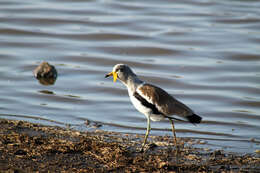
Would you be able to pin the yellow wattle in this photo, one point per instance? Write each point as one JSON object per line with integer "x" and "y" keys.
{"x": 114, "y": 76}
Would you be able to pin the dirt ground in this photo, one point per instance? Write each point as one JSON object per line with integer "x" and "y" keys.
{"x": 28, "y": 147}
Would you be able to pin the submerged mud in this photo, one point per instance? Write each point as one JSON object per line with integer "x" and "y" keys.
{"x": 28, "y": 147}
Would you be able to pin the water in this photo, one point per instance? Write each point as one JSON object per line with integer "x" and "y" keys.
{"x": 204, "y": 52}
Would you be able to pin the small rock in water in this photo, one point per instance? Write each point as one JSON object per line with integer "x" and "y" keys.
{"x": 46, "y": 73}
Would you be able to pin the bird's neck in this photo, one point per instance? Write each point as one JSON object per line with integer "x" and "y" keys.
{"x": 132, "y": 83}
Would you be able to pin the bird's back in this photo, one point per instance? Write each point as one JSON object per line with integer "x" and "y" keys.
{"x": 164, "y": 102}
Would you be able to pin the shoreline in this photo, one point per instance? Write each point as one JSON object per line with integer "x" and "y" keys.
{"x": 32, "y": 147}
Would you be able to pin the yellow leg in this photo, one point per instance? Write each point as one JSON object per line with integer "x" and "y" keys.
{"x": 173, "y": 131}
{"x": 175, "y": 141}
{"x": 147, "y": 132}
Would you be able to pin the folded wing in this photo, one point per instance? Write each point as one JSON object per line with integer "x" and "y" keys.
{"x": 167, "y": 104}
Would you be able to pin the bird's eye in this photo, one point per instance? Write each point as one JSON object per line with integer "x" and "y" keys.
{"x": 121, "y": 69}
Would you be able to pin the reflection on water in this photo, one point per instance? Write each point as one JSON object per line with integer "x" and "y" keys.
{"x": 46, "y": 92}
{"x": 205, "y": 53}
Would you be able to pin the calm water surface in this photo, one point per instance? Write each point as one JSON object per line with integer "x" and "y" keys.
{"x": 204, "y": 52}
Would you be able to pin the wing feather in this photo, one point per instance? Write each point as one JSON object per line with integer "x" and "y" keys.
{"x": 163, "y": 101}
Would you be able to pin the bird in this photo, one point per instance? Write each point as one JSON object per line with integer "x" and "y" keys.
{"x": 152, "y": 101}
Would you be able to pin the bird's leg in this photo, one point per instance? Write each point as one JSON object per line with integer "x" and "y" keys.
{"x": 175, "y": 141}
{"x": 147, "y": 133}
{"x": 173, "y": 131}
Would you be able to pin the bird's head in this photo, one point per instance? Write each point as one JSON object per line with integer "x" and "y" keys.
{"x": 121, "y": 72}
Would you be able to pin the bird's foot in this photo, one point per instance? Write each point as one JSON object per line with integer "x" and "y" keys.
{"x": 147, "y": 147}
{"x": 152, "y": 146}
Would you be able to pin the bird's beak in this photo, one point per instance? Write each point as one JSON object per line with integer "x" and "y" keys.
{"x": 112, "y": 74}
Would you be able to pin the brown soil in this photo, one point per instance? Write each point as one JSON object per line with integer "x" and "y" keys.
{"x": 28, "y": 147}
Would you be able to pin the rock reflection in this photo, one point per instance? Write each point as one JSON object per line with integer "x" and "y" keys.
{"x": 47, "y": 92}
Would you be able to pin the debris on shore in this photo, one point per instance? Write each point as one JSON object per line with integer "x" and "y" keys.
{"x": 29, "y": 147}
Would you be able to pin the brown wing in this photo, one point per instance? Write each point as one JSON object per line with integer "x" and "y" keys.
{"x": 164, "y": 102}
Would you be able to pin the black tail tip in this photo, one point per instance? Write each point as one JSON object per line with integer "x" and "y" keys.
{"x": 194, "y": 119}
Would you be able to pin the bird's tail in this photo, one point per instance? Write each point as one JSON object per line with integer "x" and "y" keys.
{"x": 194, "y": 118}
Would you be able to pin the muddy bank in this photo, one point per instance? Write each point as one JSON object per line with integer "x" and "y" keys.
{"x": 28, "y": 147}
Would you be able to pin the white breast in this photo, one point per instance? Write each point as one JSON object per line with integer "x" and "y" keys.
{"x": 138, "y": 105}
{"x": 143, "y": 109}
